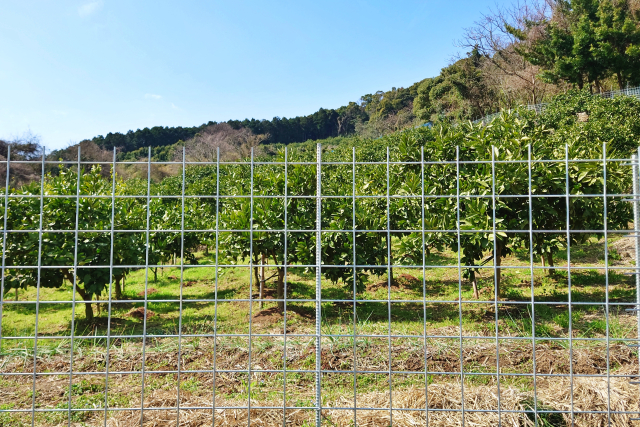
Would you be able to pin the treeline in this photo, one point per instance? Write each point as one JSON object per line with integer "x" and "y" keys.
{"x": 371, "y": 110}
{"x": 156, "y": 136}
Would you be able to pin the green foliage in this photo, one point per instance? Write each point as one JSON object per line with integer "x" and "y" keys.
{"x": 87, "y": 263}
{"x": 148, "y": 137}
{"x": 387, "y": 103}
{"x": 585, "y": 42}
{"x": 611, "y": 120}
{"x": 163, "y": 153}
{"x": 445, "y": 192}
{"x": 458, "y": 93}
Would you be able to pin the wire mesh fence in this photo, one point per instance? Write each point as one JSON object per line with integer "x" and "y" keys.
{"x": 539, "y": 108}
{"x": 629, "y": 91}
{"x": 458, "y": 290}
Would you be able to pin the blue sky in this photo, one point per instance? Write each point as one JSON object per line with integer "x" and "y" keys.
{"x": 72, "y": 70}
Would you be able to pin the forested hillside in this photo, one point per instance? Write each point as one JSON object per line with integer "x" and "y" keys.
{"x": 375, "y": 114}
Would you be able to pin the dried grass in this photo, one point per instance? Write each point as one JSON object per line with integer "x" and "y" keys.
{"x": 441, "y": 396}
{"x": 590, "y": 394}
{"x": 201, "y": 417}
{"x": 553, "y": 393}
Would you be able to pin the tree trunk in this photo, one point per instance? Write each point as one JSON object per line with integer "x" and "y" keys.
{"x": 281, "y": 295}
{"x": 88, "y": 310}
{"x": 390, "y": 260}
{"x": 280, "y": 283}
{"x": 262, "y": 279}
{"x": 474, "y": 282}
{"x": 16, "y": 294}
{"x": 620, "y": 80}
{"x": 155, "y": 274}
{"x": 498, "y": 262}
{"x": 118, "y": 289}
{"x": 550, "y": 259}
{"x": 544, "y": 270}
{"x": 255, "y": 274}
{"x": 206, "y": 250}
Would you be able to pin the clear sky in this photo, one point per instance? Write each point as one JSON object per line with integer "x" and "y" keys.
{"x": 74, "y": 69}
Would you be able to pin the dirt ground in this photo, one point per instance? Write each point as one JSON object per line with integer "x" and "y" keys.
{"x": 591, "y": 388}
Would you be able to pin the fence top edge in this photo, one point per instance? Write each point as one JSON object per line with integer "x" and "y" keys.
{"x": 346, "y": 163}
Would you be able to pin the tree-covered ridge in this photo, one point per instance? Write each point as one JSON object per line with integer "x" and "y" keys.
{"x": 324, "y": 123}
{"x": 157, "y": 136}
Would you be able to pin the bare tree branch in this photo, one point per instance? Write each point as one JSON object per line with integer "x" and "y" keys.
{"x": 506, "y": 70}
{"x": 233, "y": 143}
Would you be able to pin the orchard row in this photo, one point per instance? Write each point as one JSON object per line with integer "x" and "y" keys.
{"x": 476, "y": 190}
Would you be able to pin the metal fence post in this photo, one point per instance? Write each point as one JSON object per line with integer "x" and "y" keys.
{"x": 636, "y": 232}
{"x": 318, "y": 282}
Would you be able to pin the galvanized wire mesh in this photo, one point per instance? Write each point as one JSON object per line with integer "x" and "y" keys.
{"x": 443, "y": 395}
{"x": 539, "y": 108}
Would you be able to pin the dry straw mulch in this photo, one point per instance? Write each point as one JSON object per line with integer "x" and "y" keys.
{"x": 553, "y": 393}
{"x": 590, "y": 394}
